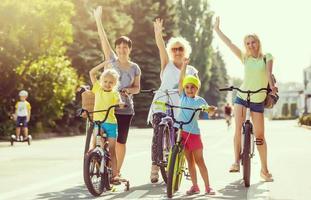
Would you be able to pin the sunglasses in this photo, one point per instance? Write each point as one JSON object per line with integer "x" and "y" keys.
{"x": 180, "y": 49}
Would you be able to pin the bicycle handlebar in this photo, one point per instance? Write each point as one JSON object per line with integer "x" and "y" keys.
{"x": 244, "y": 91}
{"x": 80, "y": 111}
{"x": 164, "y": 105}
{"x": 153, "y": 91}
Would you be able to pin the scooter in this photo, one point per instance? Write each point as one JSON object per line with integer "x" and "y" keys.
{"x": 21, "y": 136}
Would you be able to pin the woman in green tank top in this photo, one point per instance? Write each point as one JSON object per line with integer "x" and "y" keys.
{"x": 257, "y": 75}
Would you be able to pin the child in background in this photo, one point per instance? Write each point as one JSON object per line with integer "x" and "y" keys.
{"x": 22, "y": 115}
{"x": 106, "y": 95}
{"x": 188, "y": 89}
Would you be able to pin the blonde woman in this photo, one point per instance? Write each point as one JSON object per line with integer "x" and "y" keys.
{"x": 172, "y": 57}
{"x": 257, "y": 74}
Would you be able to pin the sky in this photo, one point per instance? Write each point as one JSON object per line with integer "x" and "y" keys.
{"x": 283, "y": 26}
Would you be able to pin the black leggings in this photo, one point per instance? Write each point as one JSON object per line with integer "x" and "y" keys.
{"x": 124, "y": 122}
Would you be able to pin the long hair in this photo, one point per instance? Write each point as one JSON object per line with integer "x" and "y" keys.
{"x": 256, "y": 38}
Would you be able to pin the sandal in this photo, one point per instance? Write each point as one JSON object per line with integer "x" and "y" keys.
{"x": 235, "y": 167}
{"x": 266, "y": 176}
{"x": 154, "y": 176}
{"x": 115, "y": 180}
{"x": 209, "y": 191}
{"x": 193, "y": 190}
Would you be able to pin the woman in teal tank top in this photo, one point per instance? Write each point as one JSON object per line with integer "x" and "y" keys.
{"x": 257, "y": 75}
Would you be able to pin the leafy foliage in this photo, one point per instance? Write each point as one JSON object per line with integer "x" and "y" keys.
{"x": 195, "y": 25}
{"x": 85, "y": 52}
{"x": 145, "y": 52}
{"x": 32, "y": 46}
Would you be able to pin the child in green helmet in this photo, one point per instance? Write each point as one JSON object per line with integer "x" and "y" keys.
{"x": 188, "y": 88}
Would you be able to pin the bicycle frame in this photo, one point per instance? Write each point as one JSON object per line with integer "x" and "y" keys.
{"x": 247, "y": 144}
{"x": 176, "y": 159}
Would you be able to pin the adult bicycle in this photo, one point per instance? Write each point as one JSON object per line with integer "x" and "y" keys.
{"x": 97, "y": 171}
{"x": 166, "y": 135}
{"x": 176, "y": 161}
{"x": 247, "y": 151}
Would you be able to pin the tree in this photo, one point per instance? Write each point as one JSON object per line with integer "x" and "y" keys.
{"x": 145, "y": 51}
{"x": 85, "y": 52}
{"x": 195, "y": 25}
{"x": 51, "y": 82}
{"x": 218, "y": 80}
{"x": 37, "y": 31}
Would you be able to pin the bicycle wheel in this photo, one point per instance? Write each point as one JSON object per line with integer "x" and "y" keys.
{"x": 89, "y": 132}
{"x": 164, "y": 145}
{"x": 246, "y": 159}
{"x": 175, "y": 170}
{"x": 91, "y": 174}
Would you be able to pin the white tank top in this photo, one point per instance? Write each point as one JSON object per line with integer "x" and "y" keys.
{"x": 169, "y": 81}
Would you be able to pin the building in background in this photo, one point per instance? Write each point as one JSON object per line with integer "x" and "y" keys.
{"x": 307, "y": 90}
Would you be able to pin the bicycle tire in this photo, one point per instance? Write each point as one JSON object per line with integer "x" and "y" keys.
{"x": 107, "y": 173}
{"x": 89, "y": 132}
{"x": 181, "y": 167}
{"x": 174, "y": 173}
{"x": 246, "y": 160}
{"x": 163, "y": 145}
{"x": 92, "y": 162}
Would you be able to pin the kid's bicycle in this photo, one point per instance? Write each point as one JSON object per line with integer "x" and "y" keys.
{"x": 176, "y": 160}
{"x": 247, "y": 151}
{"x": 166, "y": 132}
{"x": 97, "y": 171}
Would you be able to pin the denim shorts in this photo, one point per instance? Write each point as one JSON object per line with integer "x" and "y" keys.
{"x": 110, "y": 129}
{"x": 21, "y": 121}
{"x": 254, "y": 107}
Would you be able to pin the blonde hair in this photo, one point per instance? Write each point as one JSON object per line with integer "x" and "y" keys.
{"x": 182, "y": 41}
{"x": 112, "y": 73}
{"x": 256, "y": 38}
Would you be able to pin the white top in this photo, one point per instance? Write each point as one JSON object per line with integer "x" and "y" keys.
{"x": 22, "y": 108}
{"x": 169, "y": 81}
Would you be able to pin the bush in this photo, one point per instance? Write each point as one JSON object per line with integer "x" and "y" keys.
{"x": 305, "y": 120}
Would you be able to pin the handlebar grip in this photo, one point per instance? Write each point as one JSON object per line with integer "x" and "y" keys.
{"x": 160, "y": 103}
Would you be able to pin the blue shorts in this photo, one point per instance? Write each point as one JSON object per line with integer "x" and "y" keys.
{"x": 110, "y": 129}
{"x": 21, "y": 121}
{"x": 254, "y": 107}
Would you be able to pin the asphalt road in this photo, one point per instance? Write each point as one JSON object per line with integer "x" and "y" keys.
{"x": 52, "y": 168}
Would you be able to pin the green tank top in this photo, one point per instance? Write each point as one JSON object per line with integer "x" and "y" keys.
{"x": 255, "y": 77}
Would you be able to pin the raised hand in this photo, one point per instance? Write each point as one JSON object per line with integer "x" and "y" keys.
{"x": 185, "y": 62}
{"x": 158, "y": 26}
{"x": 98, "y": 12}
{"x": 216, "y": 24}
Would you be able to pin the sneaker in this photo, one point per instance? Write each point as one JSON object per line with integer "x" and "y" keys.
{"x": 193, "y": 190}
{"x": 209, "y": 191}
{"x": 235, "y": 167}
{"x": 154, "y": 175}
{"x": 266, "y": 176}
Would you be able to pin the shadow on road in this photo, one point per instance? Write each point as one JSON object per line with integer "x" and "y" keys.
{"x": 78, "y": 192}
{"x": 237, "y": 191}
{"x": 232, "y": 191}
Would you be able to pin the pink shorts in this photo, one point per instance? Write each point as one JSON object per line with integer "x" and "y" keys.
{"x": 191, "y": 141}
